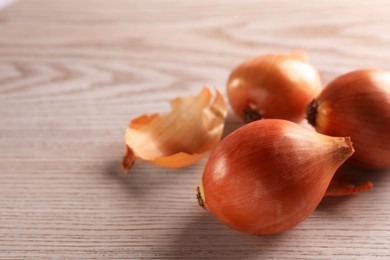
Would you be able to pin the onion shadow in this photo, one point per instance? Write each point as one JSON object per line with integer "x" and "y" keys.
{"x": 204, "y": 237}
{"x": 379, "y": 178}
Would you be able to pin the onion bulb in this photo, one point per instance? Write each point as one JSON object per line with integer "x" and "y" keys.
{"x": 273, "y": 86}
{"x": 357, "y": 104}
{"x": 269, "y": 175}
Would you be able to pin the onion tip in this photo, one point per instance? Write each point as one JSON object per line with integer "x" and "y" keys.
{"x": 349, "y": 143}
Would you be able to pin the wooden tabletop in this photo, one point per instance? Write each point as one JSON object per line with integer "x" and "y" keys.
{"x": 74, "y": 73}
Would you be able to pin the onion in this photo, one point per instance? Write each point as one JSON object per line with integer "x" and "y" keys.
{"x": 273, "y": 86}
{"x": 269, "y": 175}
{"x": 357, "y": 104}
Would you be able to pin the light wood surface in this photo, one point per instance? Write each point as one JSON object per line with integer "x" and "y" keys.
{"x": 74, "y": 73}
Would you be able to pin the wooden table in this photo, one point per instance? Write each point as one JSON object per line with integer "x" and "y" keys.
{"x": 74, "y": 73}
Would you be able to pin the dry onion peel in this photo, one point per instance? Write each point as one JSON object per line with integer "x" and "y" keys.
{"x": 192, "y": 128}
{"x": 343, "y": 183}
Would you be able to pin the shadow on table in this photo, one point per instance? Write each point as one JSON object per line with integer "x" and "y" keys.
{"x": 206, "y": 238}
{"x": 136, "y": 183}
{"x": 199, "y": 235}
{"x": 146, "y": 180}
{"x": 350, "y": 174}
{"x": 232, "y": 123}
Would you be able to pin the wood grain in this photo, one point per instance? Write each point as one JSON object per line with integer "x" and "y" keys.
{"x": 73, "y": 74}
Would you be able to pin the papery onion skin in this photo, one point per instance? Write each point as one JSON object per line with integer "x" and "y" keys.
{"x": 346, "y": 182}
{"x": 270, "y": 175}
{"x": 180, "y": 138}
{"x": 357, "y": 104}
{"x": 273, "y": 86}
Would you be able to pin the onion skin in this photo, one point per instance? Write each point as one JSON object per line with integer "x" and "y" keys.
{"x": 269, "y": 175}
{"x": 357, "y": 104}
{"x": 180, "y": 138}
{"x": 273, "y": 86}
{"x": 344, "y": 183}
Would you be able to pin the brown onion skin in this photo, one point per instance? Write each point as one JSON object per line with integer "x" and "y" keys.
{"x": 273, "y": 86}
{"x": 357, "y": 104}
{"x": 269, "y": 175}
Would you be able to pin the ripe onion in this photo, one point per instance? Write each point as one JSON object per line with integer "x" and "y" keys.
{"x": 269, "y": 175}
{"x": 357, "y": 104}
{"x": 273, "y": 86}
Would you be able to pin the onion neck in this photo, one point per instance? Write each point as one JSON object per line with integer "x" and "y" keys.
{"x": 311, "y": 112}
{"x": 344, "y": 149}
